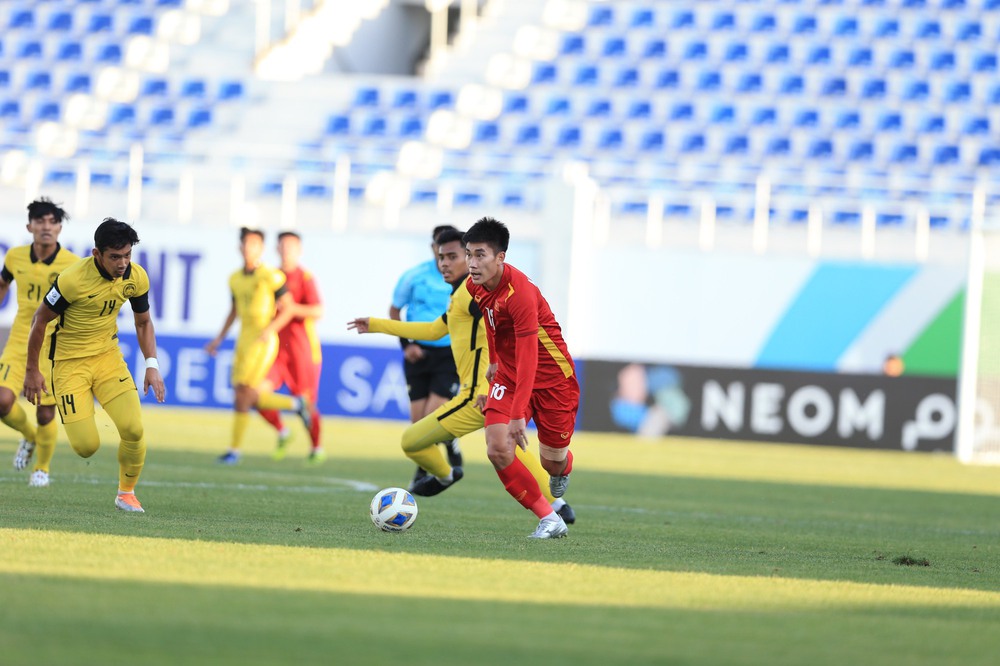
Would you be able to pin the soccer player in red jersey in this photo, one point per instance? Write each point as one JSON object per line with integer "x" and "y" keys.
{"x": 531, "y": 374}
{"x": 300, "y": 358}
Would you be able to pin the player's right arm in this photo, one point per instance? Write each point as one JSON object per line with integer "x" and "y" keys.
{"x": 212, "y": 346}
{"x": 6, "y": 277}
{"x": 34, "y": 381}
{"x": 415, "y": 330}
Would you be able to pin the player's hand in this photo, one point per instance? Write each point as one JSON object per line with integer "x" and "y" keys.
{"x": 413, "y": 353}
{"x": 517, "y": 433}
{"x": 491, "y": 372}
{"x": 212, "y": 346}
{"x": 34, "y": 386}
{"x": 360, "y": 325}
{"x": 155, "y": 381}
{"x": 481, "y": 402}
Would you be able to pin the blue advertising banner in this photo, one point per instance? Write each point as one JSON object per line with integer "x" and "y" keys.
{"x": 356, "y": 381}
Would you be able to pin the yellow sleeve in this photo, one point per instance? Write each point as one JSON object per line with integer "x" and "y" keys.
{"x": 414, "y": 330}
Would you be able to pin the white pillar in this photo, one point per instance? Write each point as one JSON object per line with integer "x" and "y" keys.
{"x": 814, "y": 229}
{"x": 289, "y": 201}
{"x": 654, "y": 221}
{"x": 135, "y": 158}
{"x": 81, "y": 204}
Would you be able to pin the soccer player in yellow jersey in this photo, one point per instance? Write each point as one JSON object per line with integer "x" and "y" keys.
{"x": 460, "y": 415}
{"x": 84, "y": 354}
{"x": 34, "y": 267}
{"x": 263, "y": 305}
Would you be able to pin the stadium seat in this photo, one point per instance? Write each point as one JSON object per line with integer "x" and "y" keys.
{"x": 440, "y": 99}
{"x": 947, "y": 154}
{"x": 642, "y": 17}
{"x": 194, "y": 88}
{"x": 516, "y": 103}
{"x": 486, "y": 133}
{"x": 100, "y": 23}
{"x": 154, "y": 87}
{"x": 411, "y": 127}
{"x": 639, "y": 109}
{"x": 121, "y": 114}
{"x": 199, "y": 118}
{"x": 405, "y": 99}
{"x": 60, "y": 21}
{"x": 654, "y": 48}
{"x": 366, "y": 98}
{"x": 10, "y": 109}
{"x": 141, "y": 25}
{"x": 230, "y": 90}
{"x": 736, "y": 52}
{"x": 21, "y": 19}
{"x": 47, "y": 110}
{"x": 568, "y": 137}
{"x": 78, "y": 83}
{"x": 652, "y": 141}
{"x": 110, "y": 54}
{"x": 614, "y": 47}
{"x": 29, "y": 49}
{"x": 985, "y": 62}
{"x": 573, "y": 44}
{"x": 161, "y": 117}
{"x": 599, "y": 108}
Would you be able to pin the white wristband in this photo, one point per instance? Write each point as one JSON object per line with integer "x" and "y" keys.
{"x": 151, "y": 362}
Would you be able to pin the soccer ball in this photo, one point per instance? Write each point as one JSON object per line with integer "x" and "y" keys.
{"x": 393, "y": 510}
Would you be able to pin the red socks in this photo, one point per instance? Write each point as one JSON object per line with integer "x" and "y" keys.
{"x": 521, "y": 485}
{"x": 273, "y": 417}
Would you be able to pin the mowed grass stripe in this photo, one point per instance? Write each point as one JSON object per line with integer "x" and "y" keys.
{"x": 201, "y": 430}
{"x": 339, "y": 570}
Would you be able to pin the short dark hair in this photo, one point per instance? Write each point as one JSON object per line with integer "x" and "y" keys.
{"x": 112, "y": 234}
{"x": 247, "y": 231}
{"x": 43, "y": 206}
{"x": 490, "y": 231}
{"x": 449, "y": 235}
{"x": 438, "y": 230}
{"x": 292, "y": 234}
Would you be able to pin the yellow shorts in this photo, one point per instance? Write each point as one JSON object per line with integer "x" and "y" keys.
{"x": 252, "y": 360}
{"x": 12, "y": 366}
{"x": 77, "y": 381}
{"x": 460, "y": 415}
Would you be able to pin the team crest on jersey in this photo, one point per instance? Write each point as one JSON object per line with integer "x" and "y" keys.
{"x": 564, "y": 435}
{"x": 129, "y": 290}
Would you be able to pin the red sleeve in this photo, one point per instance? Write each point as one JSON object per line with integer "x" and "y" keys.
{"x": 523, "y": 309}
{"x": 310, "y": 294}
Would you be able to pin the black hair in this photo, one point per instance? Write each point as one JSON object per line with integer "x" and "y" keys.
{"x": 490, "y": 231}
{"x": 438, "y": 230}
{"x": 112, "y": 234}
{"x": 286, "y": 234}
{"x": 43, "y": 206}
{"x": 449, "y": 235}
{"x": 247, "y": 231}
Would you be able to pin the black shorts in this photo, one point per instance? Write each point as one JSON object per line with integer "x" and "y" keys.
{"x": 434, "y": 373}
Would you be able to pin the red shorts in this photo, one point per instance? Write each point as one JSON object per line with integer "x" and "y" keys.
{"x": 296, "y": 370}
{"x": 553, "y": 410}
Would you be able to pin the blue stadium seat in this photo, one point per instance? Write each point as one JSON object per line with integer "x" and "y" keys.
{"x": 697, "y": 50}
{"x": 640, "y": 109}
{"x": 315, "y": 191}
{"x": 194, "y": 88}
{"x": 599, "y": 108}
{"x": 516, "y": 103}
{"x": 121, "y": 114}
{"x": 792, "y": 84}
{"x": 932, "y": 123}
{"x": 652, "y": 141}
{"x": 366, "y": 98}
{"x": 806, "y": 118}
{"x": 654, "y": 48}
{"x": 976, "y": 125}
{"x": 627, "y": 77}
{"x": 568, "y": 137}
{"x": 440, "y": 99}
{"x": 750, "y": 82}
{"x": 161, "y": 116}
{"x": 916, "y": 90}
{"x": 642, "y": 17}
{"x": 819, "y": 54}
{"x": 902, "y": 59}
{"x": 601, "y": 15}
{"x": 558, "y": 106}
{"x": 405, "y": 99}
{"x": 819, "y": 149}
{"x": 693, "y": 143}
{"x": 528, "y": 135}
{"x": 861, "y": 151}
{"x": 969, "y": 31}
{"x": 764, "y": 115}
{"x": 100, "y": 23}
{"x": 573, "y": 44}
{"x": 141, "y": 25}
{"x": 777, "y": 53}
{"x": 764, "y": 22}
{"x": 47, "y": 111}
{"x": 29, "y": 49}
{"x": 667, "y": 78}
{"x": 545, "y": 72}
{"x": 78, "y": 83}
{"x": 889, "y": 121}
{"x": 958, "y": 91}
{"x": 985, "y": 62}
{"x": 709, "y": 81}
{"x": 846, "y": 26}
{"x": 614, "y": 47}
{"x": 411, "y": 127}
{"x": 109, "y": 54}
{"x": 4, "y": 79}
{"x": 10, "y": 109}
{"x": 873, "y": 89}
{"x": 778, "y": 146}
{"x": 60, "y": 22}
{"x": 886, "y": 27}
{"x": 229, "y": 90}
{"x": 682, "y": 18}
{"x": 199, "y": 118}
{"x": 847, "y": 119}
{"x": 722, "y": 114}
{"x": 610, "y": 139}
{"x": 374, "y": 127}
{"x": 736, "y": 52}
{"x": 861, "y": 56}
{"x": 154, "y": 87}
{"x": 904, "y": 153}
{"x": 928, "y": 29}
{"x": 70, "y": 51}
{"x": 724, "y": 20}
{"x": 805, "y": 24}
{"x": 987, "y": 156}
{"x": 486, "y": 133}
{"x": 22, "y": 19}
{"x": 38, "y": 80}
{"x": 587, "y": 75}
{"x": 947, "y": 154}
{"x": 737, "y": 144}
{"x": 942, "y": 61}
{"x": 681, "y": 111}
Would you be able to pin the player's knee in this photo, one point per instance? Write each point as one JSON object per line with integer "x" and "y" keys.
{"x": 45, "y": 415}
{"x": 7, "y": 399}
{"x": 411, "y": 441}
{"x": 131, "y": 431}
{"x": 85, "y": 446}
{"x": 500, "y": 456}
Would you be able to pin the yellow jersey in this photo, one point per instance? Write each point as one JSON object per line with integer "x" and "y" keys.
{"x": 33, "y": 278}
{"x": 88, "y": 299}
{"x": 255, "y": 295}
{"x": 463, "y": 322}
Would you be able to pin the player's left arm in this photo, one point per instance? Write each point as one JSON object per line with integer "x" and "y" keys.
{"x": 6, "y": 277}
{"x": 147, "y": 343}
{"x": 523, "y": 310}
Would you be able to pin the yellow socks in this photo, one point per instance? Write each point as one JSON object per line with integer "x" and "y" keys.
{"x": 278, "y": 401}
{"x": 45, "y": 445}
{"x": 17, "y": 419}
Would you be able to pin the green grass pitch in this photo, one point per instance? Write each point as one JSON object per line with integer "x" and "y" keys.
{"x": 684, "y": 552}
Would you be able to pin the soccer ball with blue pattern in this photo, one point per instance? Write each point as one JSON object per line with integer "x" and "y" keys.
{"x": 393, "y": 510}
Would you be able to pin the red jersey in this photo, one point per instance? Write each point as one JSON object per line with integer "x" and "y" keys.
{"x": 525, "y": 340}
{"x": 300, "y": 333}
